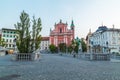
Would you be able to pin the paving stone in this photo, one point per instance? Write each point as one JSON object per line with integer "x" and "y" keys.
{"x": 56, "y": 67}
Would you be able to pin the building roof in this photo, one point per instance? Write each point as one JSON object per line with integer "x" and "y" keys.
{"x": 8, "y": 29}
{"x": 72, "y": 24}
{"x": 113, "y": 29}
{"x": 45, "y": 39}
{"x": 101, "y": 28}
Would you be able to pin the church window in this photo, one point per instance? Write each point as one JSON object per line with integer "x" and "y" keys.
{"x": 60, "y": 30}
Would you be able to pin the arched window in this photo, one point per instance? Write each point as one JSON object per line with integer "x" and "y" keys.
{"x": 60, "y": 30}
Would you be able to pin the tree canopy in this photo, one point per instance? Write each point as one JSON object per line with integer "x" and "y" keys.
{"x": 28, "y": 38}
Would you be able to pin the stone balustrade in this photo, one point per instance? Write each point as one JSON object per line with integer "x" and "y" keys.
{"x": 98, "y": 56}
{"x": 26, "y": 56}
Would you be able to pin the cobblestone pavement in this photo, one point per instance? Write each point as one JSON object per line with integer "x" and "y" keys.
{"x": 56, "y": 67}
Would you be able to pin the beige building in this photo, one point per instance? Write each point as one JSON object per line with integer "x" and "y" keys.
{"x": 44, "y": 45}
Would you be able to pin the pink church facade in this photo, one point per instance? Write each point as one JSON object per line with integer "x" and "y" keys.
{"x": 61, "y": 34}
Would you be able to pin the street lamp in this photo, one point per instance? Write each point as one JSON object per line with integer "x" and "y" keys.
{"x": 107, "y": 47}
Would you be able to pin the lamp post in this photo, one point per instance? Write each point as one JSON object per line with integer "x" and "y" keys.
{"x": 107, "y": 46}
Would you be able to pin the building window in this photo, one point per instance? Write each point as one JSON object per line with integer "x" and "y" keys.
{"x": 11, "y": 32}
{"x": 7, "y": 35}
{"x": 4, "y": 35}
{"x": 13, "y": 45}
{"x": 9, "y": 45}
{"x": 60, "y": 30}
{"x": 10, "y": 35}
{"x": 6, "y": 40}
{"x": 4, "y": 31}
{"x": 14, "y": 36}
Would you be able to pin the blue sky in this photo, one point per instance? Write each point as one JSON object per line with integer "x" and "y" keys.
{"x": 87, "y": 14}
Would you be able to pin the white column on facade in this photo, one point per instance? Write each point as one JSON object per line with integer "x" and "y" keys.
{"x": 64, "y": 28}
{"x": 66, "y": 39}
{"x": 71, "y": 38}
{"x": 56, "y": 41}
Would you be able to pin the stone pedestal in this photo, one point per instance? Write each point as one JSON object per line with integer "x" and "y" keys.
{"x": 26, "y": 56}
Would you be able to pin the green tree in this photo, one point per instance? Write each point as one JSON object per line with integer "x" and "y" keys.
{"x": 52, "y": 48}
{"x": 62, "y": 47}
{"x": 77, "y": 42}
{"x": 2, "y": 42}
{"x": 84, "y": 46}
{"x": 76, "y": 47}
{"x": 36, "y": 27}
{"x": 24, "y": 34}
{"x": 70, "y": 49}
